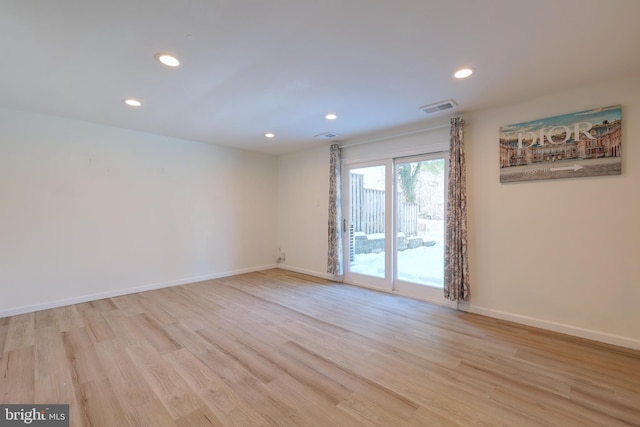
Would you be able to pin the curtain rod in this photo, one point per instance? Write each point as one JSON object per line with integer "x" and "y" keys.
{"x": 382, "y": 138}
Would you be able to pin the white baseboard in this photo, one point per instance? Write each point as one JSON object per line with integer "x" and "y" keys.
{"x": 554, "y": 326}
{"x": 415, "y": 296}
{"x": 126, "y": 291}
{"x": 326, "y": 276}
{"x": 512, "y": 317}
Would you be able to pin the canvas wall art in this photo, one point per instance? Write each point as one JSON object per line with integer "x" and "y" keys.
{"x": 586, "y": 143}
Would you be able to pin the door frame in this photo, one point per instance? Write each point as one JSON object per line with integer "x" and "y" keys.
{"x": 415, "y": 290}
{"x": 385, "y": 283}
{"x": 389, "y": 283}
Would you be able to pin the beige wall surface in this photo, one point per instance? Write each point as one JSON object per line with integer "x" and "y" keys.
{"x": 303, "y": 200}
{"x": 88, "y": 211}
{"x": 558, "y": 254}
{"x": 565, "y": 253}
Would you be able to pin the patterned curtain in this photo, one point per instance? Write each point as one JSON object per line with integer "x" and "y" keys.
{"x": 456, "y": 265}
{"x": 334, "y": 258}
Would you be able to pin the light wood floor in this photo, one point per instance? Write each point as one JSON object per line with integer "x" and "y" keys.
{"x": 282, "y": 349}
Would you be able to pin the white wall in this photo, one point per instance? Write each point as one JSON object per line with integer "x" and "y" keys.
{"x": 88, "y": 210}
{"x": 303, "y": 191}
{"x": 562, "y": 254}
{"x": 303, "y": 184}
{"x": 431, "y": 138}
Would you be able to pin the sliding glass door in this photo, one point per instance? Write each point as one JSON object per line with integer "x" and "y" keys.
{"x": 367, "y": 223}
{"x": 394, "y": 225}
{"x": 420, "y": 214}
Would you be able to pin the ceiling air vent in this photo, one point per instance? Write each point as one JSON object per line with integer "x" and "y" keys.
{"x": 326, "y": 135}
{"x": 439, "y": 106}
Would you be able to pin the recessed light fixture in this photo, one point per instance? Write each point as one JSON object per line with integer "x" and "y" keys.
{"x": 463, "y": 73}
{"x": 270, "y": 135}
{"x": 132, "y": 102}
{"x": 331, "y": 116}
{"x": 167, "y": 59}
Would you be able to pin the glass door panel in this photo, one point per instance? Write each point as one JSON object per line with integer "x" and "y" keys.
{"x": 394, "y": 215}
{"x": 367, "y": 221}
{"x": 420, "y": 209}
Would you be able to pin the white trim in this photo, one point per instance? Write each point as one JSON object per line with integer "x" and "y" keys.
{"x": 395, "y": 135}
{"x": 126, "y": 291}
{"x": 401, "y": 143}
{"x": 435, "y": 149}
{"x": 326, "y": 276}
{"x": 497, "y": 314}
{"x": 441, "y": 302}
{"x": 554, "y": 326}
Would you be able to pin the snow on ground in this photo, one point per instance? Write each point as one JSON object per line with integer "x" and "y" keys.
{"x": 423, "y": 265}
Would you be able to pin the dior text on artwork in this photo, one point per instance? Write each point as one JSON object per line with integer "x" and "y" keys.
{"x": 587, "y": 143}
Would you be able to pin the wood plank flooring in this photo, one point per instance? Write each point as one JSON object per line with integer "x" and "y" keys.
{"x": 275, "y": 348}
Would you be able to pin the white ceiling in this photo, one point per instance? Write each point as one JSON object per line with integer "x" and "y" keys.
{"x": 252, "y": 66}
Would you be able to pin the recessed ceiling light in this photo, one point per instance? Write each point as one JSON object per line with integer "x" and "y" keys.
{"x": 331, "y": 116}
{"x": 269, "y": 135}
{"x": 463, "y": 73}
{"x": 167, "y": 59}
{"x": 132, "y": 102}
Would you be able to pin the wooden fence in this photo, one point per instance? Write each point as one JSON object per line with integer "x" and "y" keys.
{"x": 367, "y": 210}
